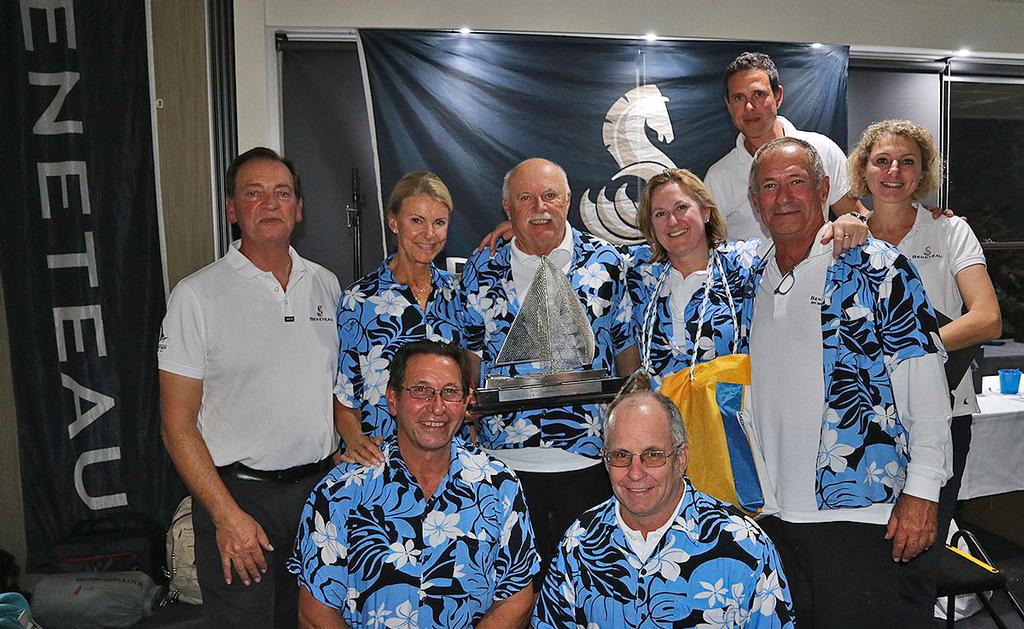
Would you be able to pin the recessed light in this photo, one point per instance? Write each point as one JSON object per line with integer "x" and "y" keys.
{"x": 816, "y": 45}
{"x": 465, "y": 30}
{"x": 963, "y": 52}
{"x": 651, "y": 37}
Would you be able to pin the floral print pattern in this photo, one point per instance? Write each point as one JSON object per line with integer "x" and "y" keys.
{"x": 376, "y": 317}
{"x": 372, "y": 546}
{"x": 491, "y": 303}
{"x": 713, "y": 568}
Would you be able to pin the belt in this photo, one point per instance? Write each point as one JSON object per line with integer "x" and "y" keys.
{"x": 290, "y": 475}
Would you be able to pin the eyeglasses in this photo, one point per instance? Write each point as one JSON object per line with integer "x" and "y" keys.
{"x": 786, "y": 284}
{"x": 648, "y": 458}
{"x": 423, "y": 392}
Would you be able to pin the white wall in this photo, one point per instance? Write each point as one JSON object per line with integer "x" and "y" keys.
{"x": 987, "y": 26}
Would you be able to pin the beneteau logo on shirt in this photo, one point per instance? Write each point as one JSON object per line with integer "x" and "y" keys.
{"x": 320, "y": 315}
{"x": 925, "y": 255}
{"x": 817, "y": 301}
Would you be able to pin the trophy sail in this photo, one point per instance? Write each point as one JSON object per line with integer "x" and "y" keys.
{"x": 552, "y": 329}
{"x": 550, "y": 304}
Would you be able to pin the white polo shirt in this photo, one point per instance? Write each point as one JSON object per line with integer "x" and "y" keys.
{"x": 267, "y": 358}
{"x": 941, "y": 248}
{"x": 728, "y": 179}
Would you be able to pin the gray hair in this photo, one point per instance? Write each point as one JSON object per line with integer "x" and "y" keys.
{"x": 672, "y": 414}
{"x": 814, "y": 166}
{"x": 508, "y": 175}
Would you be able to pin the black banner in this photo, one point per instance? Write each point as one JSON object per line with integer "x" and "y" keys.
{"x": 610, "y": 111}
{"x": 81, "y": 264}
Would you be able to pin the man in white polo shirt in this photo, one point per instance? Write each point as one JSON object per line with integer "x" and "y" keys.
{"x": 753, "y": 96}
{"x": 247, "y": 357}
{"x": 849, "y": 406}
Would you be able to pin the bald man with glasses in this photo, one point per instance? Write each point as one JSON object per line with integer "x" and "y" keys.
{"x": 659, "y": 552}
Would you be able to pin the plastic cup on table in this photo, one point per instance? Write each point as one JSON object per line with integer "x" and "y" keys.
{"x": 1009, "y": 381}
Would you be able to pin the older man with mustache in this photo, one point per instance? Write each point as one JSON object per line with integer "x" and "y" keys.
{"x": 553, "y": 447}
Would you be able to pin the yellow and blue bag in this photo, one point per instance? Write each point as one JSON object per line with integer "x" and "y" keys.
{"x": 710, "y": 397}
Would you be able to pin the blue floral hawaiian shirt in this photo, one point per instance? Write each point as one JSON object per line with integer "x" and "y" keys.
{"x": 491, "y": 304}
{"x": 874, "y": 316}
{"x": 377, "y": 316}
{"x": 713, "y": 568}
{"x": 717, "y": 330}
{"x": 371, "y": 546}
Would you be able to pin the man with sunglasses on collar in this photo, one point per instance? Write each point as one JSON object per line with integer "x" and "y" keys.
{"x": 437, "y": 535}
{"x": 849, "y": 407}
{"x": 659, "y": 552}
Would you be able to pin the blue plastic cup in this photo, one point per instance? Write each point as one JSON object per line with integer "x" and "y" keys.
{"x": 1009, "y": 381}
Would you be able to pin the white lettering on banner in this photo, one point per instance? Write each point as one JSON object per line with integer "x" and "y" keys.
{"x": 91, "y": 457}
{"x": 77, "y": 314}
{"x": 47, "y": 124}
{"x": 100, "y": 404}
{"x": 50, "y": 7}
{"x": 77, "y": 261}
{"x": 63, "y": 170}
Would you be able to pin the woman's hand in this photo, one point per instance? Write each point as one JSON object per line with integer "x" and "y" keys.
{"x": 502, "y": 232}
{"x": 848, "y": 231}
{"x": 358, "y": 447}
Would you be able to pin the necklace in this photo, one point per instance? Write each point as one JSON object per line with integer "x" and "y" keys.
{"x": 419, "y": 292}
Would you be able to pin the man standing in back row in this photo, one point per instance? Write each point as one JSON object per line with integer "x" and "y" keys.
{"x": 247, "y": 356}
{"x": 753, "y": 96}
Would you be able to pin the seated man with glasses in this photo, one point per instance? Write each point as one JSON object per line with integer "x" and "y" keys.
{"x": 659, "y": 552}
{"x": 437, "y": 535}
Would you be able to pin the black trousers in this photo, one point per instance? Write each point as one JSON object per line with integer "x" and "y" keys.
{"x": 273, "y": 602}
{"x": 841, "y": 574}
{"x": 556, "y": 499}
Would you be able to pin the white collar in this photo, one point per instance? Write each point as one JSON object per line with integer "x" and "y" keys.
{"x": 560, "y": 256}
{"x": 644, "y": 547}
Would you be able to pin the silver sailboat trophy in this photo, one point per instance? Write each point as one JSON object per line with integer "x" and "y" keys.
{"x": 551, "y": 328}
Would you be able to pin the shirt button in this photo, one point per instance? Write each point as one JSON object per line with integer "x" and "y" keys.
{"x": 277, "y": 290}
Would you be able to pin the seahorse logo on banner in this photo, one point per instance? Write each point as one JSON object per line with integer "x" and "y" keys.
{"x": 625, "y": 137}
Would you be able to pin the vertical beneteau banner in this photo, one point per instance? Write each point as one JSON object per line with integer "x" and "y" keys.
{"x": 612, "y": 112}
{"x": 81, "y": 262}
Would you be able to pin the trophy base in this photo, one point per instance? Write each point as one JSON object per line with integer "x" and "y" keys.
{"x": 503, "y": 394}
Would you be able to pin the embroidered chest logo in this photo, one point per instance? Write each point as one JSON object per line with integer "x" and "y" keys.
{"x": 927, "y": 254}
{"x": 320, "y": 315}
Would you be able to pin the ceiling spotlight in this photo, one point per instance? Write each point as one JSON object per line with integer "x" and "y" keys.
{"x": 816, "y": 45}
{"x": 465, "y": 30}
{"x": 651, "y": 37}
{"x": 963, "y": 52}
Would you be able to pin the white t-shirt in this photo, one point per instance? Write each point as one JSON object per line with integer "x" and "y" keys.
{"x": 788, "y": 394}
{"x": 267, "y": 358}
{"x": 728, "y": 180}
{"x": 941, "y": 248}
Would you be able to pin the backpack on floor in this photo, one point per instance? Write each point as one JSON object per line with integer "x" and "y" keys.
{"x": 181, "y": 557}
{"x": 94, "y": 600}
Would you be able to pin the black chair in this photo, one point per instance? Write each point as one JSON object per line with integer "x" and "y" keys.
{"x": 971, "y": 575}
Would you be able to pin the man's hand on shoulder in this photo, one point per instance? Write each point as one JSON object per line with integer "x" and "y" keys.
{"x": 912, "y": 527}
{"x": 241, "y": 541}
{"x": 502, "y": 232}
